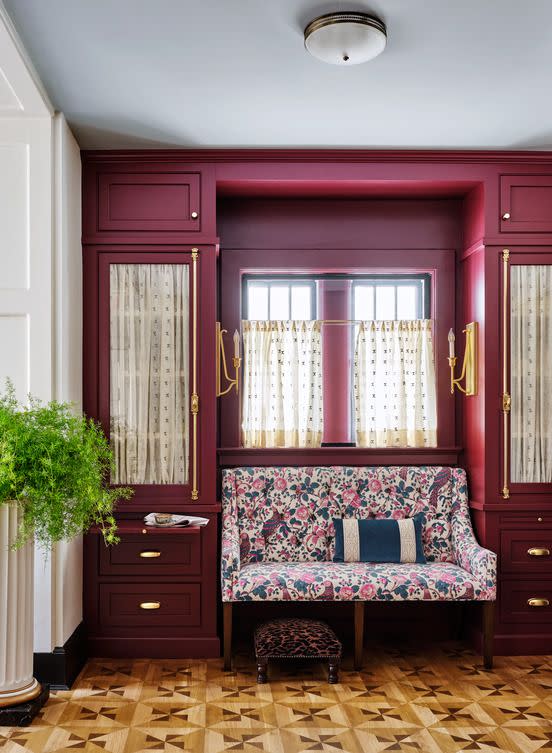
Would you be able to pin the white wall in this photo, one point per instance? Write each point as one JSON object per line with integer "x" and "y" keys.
{"x": 40, "y": 288}
{"x": 67, "y": 586}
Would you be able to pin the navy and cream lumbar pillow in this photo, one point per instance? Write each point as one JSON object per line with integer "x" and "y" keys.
{"x": 379, "y": 540}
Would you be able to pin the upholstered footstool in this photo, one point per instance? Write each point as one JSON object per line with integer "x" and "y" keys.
{"x": 296, "y": 638}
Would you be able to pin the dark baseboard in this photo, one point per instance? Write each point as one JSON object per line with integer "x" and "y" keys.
{"x": 60, "y": 668}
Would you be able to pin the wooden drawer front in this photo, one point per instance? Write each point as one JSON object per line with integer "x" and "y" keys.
{"x": 526, "y": 551}
{"x": 153, "y": 555}
{"x": 528, "y": 201}
{"x": 535, "y": 521}
{"x": 514, "y": 598}
{"x": 179, "y": 604}
{"x": 157, "y": 202}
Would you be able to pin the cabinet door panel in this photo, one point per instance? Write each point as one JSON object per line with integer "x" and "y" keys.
{"x": 528, "y": 201}
{"x": 148, "y": 372}
{"x": 149, "y": 202}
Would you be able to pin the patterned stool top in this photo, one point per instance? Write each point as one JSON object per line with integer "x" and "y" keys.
{"x": 296, "y": 638}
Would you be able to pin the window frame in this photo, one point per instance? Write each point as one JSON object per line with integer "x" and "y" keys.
{"x": 437, "y": 262}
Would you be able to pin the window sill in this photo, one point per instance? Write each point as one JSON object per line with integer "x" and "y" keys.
{"x": 236, "y": 456}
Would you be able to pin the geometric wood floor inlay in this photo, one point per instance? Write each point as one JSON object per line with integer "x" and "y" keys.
{"x": 411, "y": 701}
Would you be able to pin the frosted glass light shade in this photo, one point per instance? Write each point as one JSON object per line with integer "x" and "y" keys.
{"x": 345, "y": 38}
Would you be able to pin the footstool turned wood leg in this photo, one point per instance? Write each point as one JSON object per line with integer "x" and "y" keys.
{"x": 333, "y": 671}
{"x": 262, "y": 667}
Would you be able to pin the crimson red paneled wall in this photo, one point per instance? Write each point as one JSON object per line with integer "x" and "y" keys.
{"x": 456, "y": 208}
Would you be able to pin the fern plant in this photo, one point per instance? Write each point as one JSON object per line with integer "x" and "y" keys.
{"x": 55, "y": 464}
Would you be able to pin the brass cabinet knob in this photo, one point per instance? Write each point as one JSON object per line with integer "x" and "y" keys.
{"x": 506, "y": 216}
{"x": 194, "y": 215}
{"x": 539, "y": 520}
{"x": 150, "y": 554}
{"x": 536, "y": 551}
{"x": 150, "y": 604}
{"x": 538, "y": 602}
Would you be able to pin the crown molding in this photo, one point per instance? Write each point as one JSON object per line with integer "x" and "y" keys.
{"x": 423, "y": 156}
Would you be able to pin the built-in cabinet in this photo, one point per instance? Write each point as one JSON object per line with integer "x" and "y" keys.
{"x": 149, "y": 381}
{"x": 150, "y": 251}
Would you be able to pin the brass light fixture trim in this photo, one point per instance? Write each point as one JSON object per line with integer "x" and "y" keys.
{"x": 345, "y": 38}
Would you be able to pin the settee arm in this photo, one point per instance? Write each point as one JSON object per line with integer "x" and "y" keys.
{"x": 468, "y": 554}
{"x": 230, "y": 544}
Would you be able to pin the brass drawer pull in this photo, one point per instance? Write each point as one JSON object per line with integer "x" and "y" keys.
{"x": 150, "y": 604}
{"x": 150, "y": 554}
{"x": 538, "y": 552}
{"x": 538, "y": 602}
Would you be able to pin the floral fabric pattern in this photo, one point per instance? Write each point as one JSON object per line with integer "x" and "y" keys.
{"x": 284, "y": 515}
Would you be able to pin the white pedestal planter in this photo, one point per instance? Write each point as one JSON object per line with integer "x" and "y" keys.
{"x": 17, "y": 684}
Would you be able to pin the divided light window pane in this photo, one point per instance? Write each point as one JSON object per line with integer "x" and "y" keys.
{"x": 364, "y": 302}
{"x": 407, "y": 302}
{"x": 301, "y": 302}
{"x": 385, "y": 302}
{"x": 257, "y": 302}
{"x": 279, "y": 302}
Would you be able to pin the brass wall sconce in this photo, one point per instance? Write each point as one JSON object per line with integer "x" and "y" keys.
{"x": 221, "y": 357}
{"x": 469, "y": 366}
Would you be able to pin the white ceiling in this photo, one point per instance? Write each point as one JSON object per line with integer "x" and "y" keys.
{"x": 210, "y": 73}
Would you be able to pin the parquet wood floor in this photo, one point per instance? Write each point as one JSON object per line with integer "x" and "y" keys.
{"x": 409, "y": 700}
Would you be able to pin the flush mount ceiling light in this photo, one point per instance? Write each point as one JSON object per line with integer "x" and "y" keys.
{"x": 345, "y": 38}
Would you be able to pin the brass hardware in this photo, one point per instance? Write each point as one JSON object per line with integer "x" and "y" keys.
{"x": 150, "y": 604}
{"x": 194, "y": 401}
{"x": 538, "y": 603}
{"x": 506, "y": 397}
{"x": 469, "y": 365}
{"x": 538, "y": 552}
{"x": 194, "y": 215}
{"x": 144, "y": 530}
{"x": 221, "y": 357}
{"x": 539, "y": 520}
{"x": 150, "y": 554}
{"x": 506, "y": 216}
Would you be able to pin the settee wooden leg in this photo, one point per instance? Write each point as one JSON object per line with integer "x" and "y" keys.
{"x": 227, "y": 639}
{"x": 359, "y": 633}
{"x": 488, "y": 633}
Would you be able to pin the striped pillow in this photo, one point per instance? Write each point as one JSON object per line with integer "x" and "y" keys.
{"x": 379, "y": 540}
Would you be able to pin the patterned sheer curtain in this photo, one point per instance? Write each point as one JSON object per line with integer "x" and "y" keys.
{"x": 531, "y": 373}
{"x": 282, "y": 384}
{"x": 149, "y": 373}
{"x": 394, "y": 384}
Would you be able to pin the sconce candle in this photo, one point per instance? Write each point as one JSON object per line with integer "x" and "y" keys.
{"x": 469, "y": 366}
{"x": 451, "y": 340}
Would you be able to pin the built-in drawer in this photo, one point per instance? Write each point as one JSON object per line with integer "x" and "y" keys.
{"x": 526, "y": 551}
{"x": 526, "y": 203}
{"x": 160, "y": 554}
{"x": 526, "y": 601}
{"x": 157, "y": 605}
{"x": 158, "y": 202}
{"x": 536, "y": 521}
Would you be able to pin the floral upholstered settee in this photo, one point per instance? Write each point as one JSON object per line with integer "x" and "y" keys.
{"x": 278, "y": 539}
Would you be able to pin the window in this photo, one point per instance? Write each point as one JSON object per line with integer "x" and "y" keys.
{"x": 309, "y": 382}
{"x": 391, "y": 297}
{"x": 279, "y": 299}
